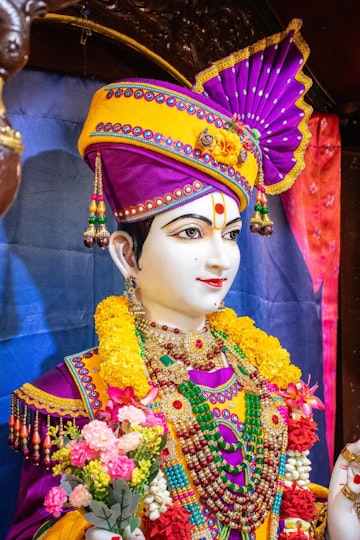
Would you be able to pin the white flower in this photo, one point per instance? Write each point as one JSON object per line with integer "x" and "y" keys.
{"x": 297, "y": 468}
{"x": 157, "y": 497}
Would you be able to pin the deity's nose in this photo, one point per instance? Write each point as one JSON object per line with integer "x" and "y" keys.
{"x": 218, "y": 256}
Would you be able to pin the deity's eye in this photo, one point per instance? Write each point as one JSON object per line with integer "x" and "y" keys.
{"x": 189, "y": 233}
{"x": 232, "y": 235}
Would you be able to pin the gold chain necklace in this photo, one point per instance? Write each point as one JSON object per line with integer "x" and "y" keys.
{"x": 181, "y": 349}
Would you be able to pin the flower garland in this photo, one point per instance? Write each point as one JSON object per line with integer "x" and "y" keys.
{"x": 121, "y": 362}
{"x": 260, "y": 349}
{"x": 122, "y": 365}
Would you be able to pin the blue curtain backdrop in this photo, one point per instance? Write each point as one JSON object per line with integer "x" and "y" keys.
{"x": 50, "y": 283}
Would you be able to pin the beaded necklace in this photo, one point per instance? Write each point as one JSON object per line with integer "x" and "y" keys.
{"x": 199, "y": 349}
{"x": 183, "y": 404}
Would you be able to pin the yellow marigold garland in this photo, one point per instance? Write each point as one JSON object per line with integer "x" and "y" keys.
{"x": 260, "y": 349}
{"x": 122, "y": 365}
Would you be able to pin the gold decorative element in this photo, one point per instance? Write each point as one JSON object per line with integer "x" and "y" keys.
{"x": 272, "y": 420}
{"x": 198, "y": 348}
{"x": 357, "y": 506}
{"x": 9, "y": 137}
{"x": 349, "y": 493}
{"x": 100, "y": 29}
{"x": 350, "y": 456}
{"x": 318, "y": 525}
{"x": 34, "y": 397}
{"x": 176, "y": 407}
{"x": 135, "y": 308}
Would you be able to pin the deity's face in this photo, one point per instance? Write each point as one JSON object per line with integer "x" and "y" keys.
{"x": 189, "y": 260}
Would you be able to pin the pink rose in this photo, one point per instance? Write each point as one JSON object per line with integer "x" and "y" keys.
{"x": 54, "y": 500}
{"x": 80, "y": 453}
{"x": 80, "y": 496}
{"x": 129, "y": 442}
{"x": 98, "y": 435}
{"x": 134, "y": 415}
{"x": 120, "y": 467}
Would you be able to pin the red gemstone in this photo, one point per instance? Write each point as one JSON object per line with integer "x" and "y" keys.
{"x": 198, "y": 344}
{"x": 177, "y": 404}
{"x": 357, "y": 479}
{"x": 275, "y": 419}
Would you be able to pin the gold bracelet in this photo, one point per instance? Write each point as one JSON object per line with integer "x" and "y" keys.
{"x": 349, "y": 456}
{"x": 349, "y": 493}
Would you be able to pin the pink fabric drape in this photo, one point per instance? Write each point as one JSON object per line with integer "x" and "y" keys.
{"x": 312, "y": 207}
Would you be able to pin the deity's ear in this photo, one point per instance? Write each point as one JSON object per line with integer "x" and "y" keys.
{"x": 121, "y": 251}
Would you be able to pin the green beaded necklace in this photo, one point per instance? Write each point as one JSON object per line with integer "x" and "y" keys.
{"x": 237, "y": 507}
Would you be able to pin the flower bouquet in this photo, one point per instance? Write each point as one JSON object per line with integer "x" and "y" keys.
{"x": 109, "y": 466}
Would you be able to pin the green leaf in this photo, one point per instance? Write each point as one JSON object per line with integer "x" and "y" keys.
{"x": 69, "y": 482}
{"x": 134, "y": 522}
{"x": 102, "y": 516}
{"x": 154, "y": 469}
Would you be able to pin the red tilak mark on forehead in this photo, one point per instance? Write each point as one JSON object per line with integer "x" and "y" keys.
{"x": 219, "y": 208}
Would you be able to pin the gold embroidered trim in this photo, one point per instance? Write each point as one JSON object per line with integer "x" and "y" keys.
{"x": 32, "y": 396}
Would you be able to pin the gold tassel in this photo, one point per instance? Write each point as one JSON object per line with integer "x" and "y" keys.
{"x": 97, "y": 205}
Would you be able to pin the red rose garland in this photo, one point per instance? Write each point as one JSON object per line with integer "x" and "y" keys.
{"x": 172, "y": 524}
{"x": 298, "y": 501}
{"x": 302, "y": 434}
{"x": 297, "y": 535}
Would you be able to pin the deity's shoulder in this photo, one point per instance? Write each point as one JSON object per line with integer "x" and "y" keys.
{"x": 67, "y": 392}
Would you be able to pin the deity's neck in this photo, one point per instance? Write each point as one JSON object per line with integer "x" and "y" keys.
{"x": 183, "y": 321}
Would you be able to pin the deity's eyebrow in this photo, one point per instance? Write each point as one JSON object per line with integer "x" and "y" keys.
{"x": 238, "y": 219}
{"x": 194, "y": 216}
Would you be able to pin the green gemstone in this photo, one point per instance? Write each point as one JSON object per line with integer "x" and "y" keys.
{"x": 166, "y": 360}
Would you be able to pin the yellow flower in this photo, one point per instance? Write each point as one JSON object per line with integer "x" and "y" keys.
{"x": 227, "y": 147}
{"x": 138, "y": 476}
{"x": 261, "y": 350}
{"x": 63, "y": 454}
{"x": 121, "y": 362}
{"x": 57, "y": 469}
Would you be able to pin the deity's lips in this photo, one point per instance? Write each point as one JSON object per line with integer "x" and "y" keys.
{"x": 213, "y": 282}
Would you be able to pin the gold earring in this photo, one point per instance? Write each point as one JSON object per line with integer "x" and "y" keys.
{"x": 135, "y": 307}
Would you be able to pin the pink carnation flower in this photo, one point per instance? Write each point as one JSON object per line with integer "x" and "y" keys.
{"x": 98, "y": 435}
{"x": 54, "y": 500}
{"x": 120, "y": 467}
{"x": 129, "y": 442}
{"x": 134, "y": 415}
{"x": 80, "y": 496}
{"x": 152, "y": 420}
{"x": 110, "y": 452}
{"x": 80, "y": 453}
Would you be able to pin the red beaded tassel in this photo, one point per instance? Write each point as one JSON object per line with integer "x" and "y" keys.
{"x": 97, "y": 205}
{"x": 17, "y": 427}
{"x": 36, "y": 440}
{"x": 24, "y": 434}
{"x": 47, "y": 444}
{"x": 11, "y": 423}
